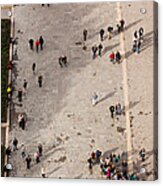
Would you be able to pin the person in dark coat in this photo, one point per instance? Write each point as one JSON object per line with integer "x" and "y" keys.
{"x": 40, "y": 81}
{"x": 102, "y": 34}
{"x": 31, "y": 43}
{"x": 28, "y": 161}
{"x": 20, "y": 95}
{"x": 112, "y": 109}
{"x": 34, "y": 68}
{"x": 85, "y": 32}
{"x": 94, "y": 50}
{"x": 100, "y": 47}
{"x": 118, "y": 57}
{"x": 41, "y": 41}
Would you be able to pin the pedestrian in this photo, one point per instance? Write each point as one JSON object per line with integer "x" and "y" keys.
{"x": 118, "y": 109}
{"x": 37, "y": 157}
{"x": 138, "y": 46}
{"x": 8, "y": 151}
{"x": 98, "y": 155}
{"x": 112, "y": 57}
{"x": 23, "y": 151}
{"x": 112, "y": 109}
{"x": 94, "y": 50}
{"x": 43, "y": 172}
{"x": 40, "y": 149}
{"x": 118, "y": 57}
{"x": 31, "y": 43}
{"x": 15, "y": 144}
{"x": 25, "y": 84}
{"x": 135, "y": 35}
{"x": 34, "y": 68}
{"x": 20, "y": 95}
{"x": 142, "y": 154}
{"x": 41, "y": 41}
{"x": 37, "y": 43}
{"x": 9, "y": 89}
{"x": 20, "y": 117}
{"x": 85, "y": 33}
{"x": 60, "y": 62}
{"x": 102, "y": 34}
{"x": 122, "y": 23}
{"x": 100, "y": 47}
{"x": 134, "y": 47}
{"x": 94, "y": 99}
{"x": 40, "y": 81}
{"x": 141, "y": 33}
{"x": 23, "y": 123}
{"x": 110, "y": 32}
{"x": 28, "y": 161}
{"x": 64, "y": 61}
{"x": 90, "y": 165}
{"x": 118, "y": 28}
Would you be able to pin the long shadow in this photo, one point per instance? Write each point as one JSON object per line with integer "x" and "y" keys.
{"x": 133, "y": 104}
{"x": 106, "y": 97}
{"x": 115, "y": 32}
{"x": 108, "y": 152}
{"x": 106, "y": 49}
{"x": 147, "y": 42}
{"x": 51, "y": 172}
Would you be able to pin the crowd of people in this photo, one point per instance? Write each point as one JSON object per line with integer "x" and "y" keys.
{"x": 114, "y": 166}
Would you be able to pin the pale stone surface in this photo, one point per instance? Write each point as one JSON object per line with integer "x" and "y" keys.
{"x": 60, "y": 114}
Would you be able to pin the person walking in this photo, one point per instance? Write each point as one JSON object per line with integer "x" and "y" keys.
{"x": 40, "y": 149}
{"x": 85, "y": 33}
{"x": 31, "y": 43}
{"x": 40, "y": 81}
{"x": 15, "y": 144}
{"x": 100, "y": 47}
{"x": 102, "y": 34}
{"x": 110, "y": 32}
{"x": 41, "y": 41}
{"x": 34, "y": 68}
{"x": 90, "y": 165}
{"x": 25, "y": 84}
{"x": 60, "y": 62}
{"x": 28, "y": 161}
{"x": 112, "y": 109}
{"x": 23, "y": 123}
{"x": 94, "y": 50}
{"x": 122, "y": 23}
{"x": 23, "y": 151}
{"x": 20, "y": 93}
{"x": 112, "y": 57}
{"x": 141, "y": 33}
{"x": 37, "y": 157}
{"x": 64, "y": 61}
{"x": 134, "y": 47}
{"x": 37, "y": 43}
{"x": 43, "y": 174}
{"x": 118, "y": 57}
{"x": 138, "y": 46}
{"x": 142, "y": 154}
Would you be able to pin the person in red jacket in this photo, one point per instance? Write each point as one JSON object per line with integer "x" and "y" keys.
{"x": 112, "y": 57}
{"x": 37, "y": 43}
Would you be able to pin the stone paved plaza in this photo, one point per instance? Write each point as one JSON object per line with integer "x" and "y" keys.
{"x": 60, "y": 114}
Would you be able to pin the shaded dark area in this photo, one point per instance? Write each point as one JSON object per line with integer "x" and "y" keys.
{"x": 5, "y": 43}
{"x": 110, "y": 47}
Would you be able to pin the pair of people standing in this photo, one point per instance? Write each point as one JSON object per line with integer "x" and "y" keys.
{"x": 39, "y": 43}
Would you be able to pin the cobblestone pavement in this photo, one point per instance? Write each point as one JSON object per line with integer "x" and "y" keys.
{"x": 60, "y": 114}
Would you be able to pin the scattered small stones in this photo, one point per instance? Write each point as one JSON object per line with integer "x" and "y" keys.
{"x": 79, "y": 134}
{"x": 140, "y": 113}
{"x": 92, "y": 141}
{"x": 94, "y": 74}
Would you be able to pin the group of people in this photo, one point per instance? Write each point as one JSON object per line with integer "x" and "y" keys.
{"x": 23, "y": 152}
{"x": 116, "y": 110}
{"x": 115, "y": 57}
{"x": 137, "y": 40}
{"x": 113, "y": 166}
{"x": 38, "y": 43}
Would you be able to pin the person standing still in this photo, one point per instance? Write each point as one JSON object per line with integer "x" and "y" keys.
{"x": 40, "y": 81}
{"x": 37, "y": 43}
{"x": 41, "y": 41}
